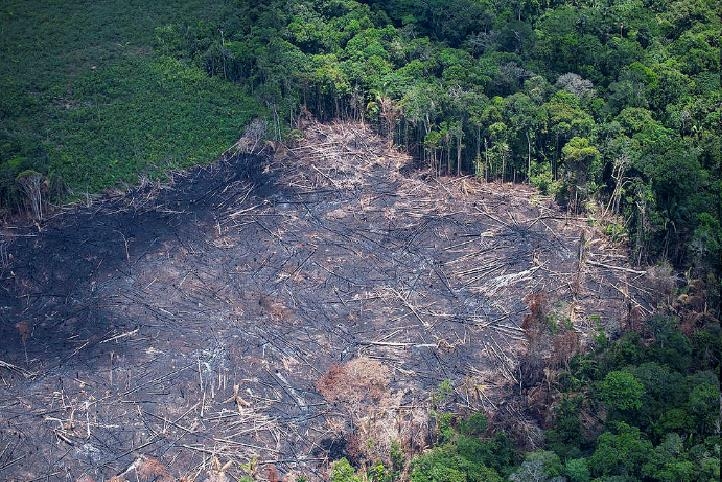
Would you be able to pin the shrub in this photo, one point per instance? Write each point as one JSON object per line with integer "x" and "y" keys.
{"x": 341, "y": 471}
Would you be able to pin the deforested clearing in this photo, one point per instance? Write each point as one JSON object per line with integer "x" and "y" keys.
{"x": 287, "y": 309}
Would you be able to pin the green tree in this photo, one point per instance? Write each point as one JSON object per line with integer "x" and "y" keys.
{"x": 622, "y": 453}
{"x": 565, "y": 438}
{"x": 341, "y": 471}
{"x": 581, "y": 167}
{"x": 540, "y": 465}
{"x": 577, "y": 470}
{"x": 704, "y": 406}
{"x": 669, "y": 462}
{"x": 620, "y": 390}
{"x": 443, "y": 464}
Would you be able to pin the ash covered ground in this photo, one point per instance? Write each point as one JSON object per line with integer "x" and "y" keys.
{"x": 267, "y": 314}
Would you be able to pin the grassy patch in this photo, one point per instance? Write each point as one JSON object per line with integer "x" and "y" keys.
{"x": 86, "y": 98}
{"x": 144, "y": 116}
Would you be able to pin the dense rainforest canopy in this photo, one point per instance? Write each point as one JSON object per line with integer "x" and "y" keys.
{"x": 617, "y": 102}
{"x": 611, "y": 106}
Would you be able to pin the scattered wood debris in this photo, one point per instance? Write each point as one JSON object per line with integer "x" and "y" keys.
{"x": 236, "y": 317}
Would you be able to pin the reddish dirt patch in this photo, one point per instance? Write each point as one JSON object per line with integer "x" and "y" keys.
{"x": 360, "y": 379}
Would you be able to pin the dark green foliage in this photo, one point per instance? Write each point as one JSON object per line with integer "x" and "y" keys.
{"x": 663, "y": 388}
{"x": 341, "y": 471}
{"x": 566, "y": 438}
{"x": 702, "y": 405}
{"x": 621, "y": 452}
{"x": 474, "y": 426}
{"x": 496, "y": 452}
{"x": 464, "y": 453}
{"x": 628, "y": 350}
{"x": 577, "y": 470}
{"x": 670, "y": 346}
{"x": 620, "y": 390}
{"x": 443, "y": 465}
{"x": 464, "y": 459}
{"x": 661, "y": 405}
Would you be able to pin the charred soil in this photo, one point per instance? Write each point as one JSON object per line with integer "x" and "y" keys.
{"x": 275, "y": 310}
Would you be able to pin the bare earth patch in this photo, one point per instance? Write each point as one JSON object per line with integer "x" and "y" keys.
{"x": 262, "y": 315}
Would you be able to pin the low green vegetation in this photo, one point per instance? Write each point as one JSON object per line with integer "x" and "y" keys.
{"x": 162, "y": 115}
{"x": 88, "y": 101}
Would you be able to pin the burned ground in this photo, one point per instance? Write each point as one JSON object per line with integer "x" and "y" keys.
{"x": 272, "y": 310}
